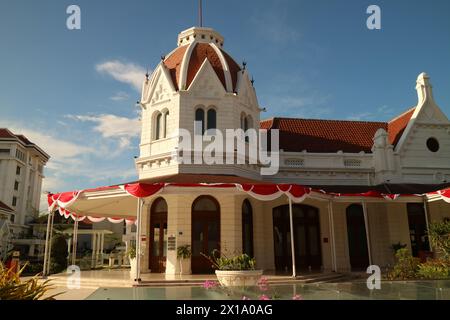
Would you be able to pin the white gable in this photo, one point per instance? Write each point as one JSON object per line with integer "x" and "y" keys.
{"x": 206, "y": 83}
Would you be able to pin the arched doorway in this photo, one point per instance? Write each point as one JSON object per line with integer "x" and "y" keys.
{"x": 158, "y": 236}
{"x": 357, "y": 239}
{"x": 247, "y": 228}
{"x": 306, "y": 236}
{"x": 205, "y": 232}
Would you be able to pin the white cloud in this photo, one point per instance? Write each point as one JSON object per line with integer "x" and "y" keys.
{"x": 80, "y": 163}
{"x": 120, "y": 96}
{"x": 129, "y": 73}
{"x": 112, "y": 126}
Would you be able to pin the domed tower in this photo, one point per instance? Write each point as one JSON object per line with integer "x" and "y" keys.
{"x": 197, "y": 81}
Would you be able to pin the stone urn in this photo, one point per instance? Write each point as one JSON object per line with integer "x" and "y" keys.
{"x": 238, "y": 278}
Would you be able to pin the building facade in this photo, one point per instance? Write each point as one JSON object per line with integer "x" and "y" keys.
{"x": 21, "y": 172}
{"x": 199, "y": 81}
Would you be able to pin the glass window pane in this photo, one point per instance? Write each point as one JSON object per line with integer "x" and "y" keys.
{"x": 165, "y": 241}
{"x": 197, "y": 239}
{"x": 213, "y": 236}
{"x": 155, "y": 245}
{"x": 211, "y": 119}
{"x": 160, "y": 206}
{"x": 200, "y": 116}
{"x": 205, "y": 204}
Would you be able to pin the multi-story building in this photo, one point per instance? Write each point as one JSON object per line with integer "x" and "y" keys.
{"x": 21, "y": 172}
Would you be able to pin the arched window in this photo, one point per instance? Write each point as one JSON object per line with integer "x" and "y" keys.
{"x": 247, "y": 228}
{"x": 249, "y": 122}
{"x": 212, "y": 121}
{"x": 200, "y": 117}
{"x": 158, "y": 126}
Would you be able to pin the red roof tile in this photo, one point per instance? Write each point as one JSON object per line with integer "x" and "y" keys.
{"x": 333, "y": 135}
{"x": 200, "y": 52}
{"x": 324, "y": 136}
{"x": 5, "y": 133}
{"x": 397, "y": 125}
{"x": 4, "y": 207}
{"x": 173, "y": 63}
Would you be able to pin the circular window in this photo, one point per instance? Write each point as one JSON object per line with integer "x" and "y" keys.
{"x": 432, "y": 144}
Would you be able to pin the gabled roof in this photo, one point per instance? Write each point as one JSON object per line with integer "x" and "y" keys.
{"x": 397, "y": 125}
{"x": 330, "y": 136}
{"x": 4, "y": 207}
{"x": 7, "y": 134}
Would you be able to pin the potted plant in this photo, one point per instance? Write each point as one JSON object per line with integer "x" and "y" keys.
{"x": 131, "y": 253}
{"x": 183, "y": 252}
{"x": 238, "y": 270}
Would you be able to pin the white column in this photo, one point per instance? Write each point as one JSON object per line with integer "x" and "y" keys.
{"x": 102, "y": 244}
{"x": 291, "y": 221}
{"x": 366, "y": 223}
{"x": 69, "y": 244}
{"x": 425, "y": 208}
{"x": 47, "y": 236}
{"x": 138, "y": 240}
{"x": 94, "y": 249}
{"x": 74, "y": 242}
{"x": 332, "y": 237}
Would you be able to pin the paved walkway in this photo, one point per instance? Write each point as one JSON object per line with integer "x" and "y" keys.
{"x": 92, "y": 280}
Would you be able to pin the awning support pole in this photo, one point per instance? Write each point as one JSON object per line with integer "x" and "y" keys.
{"x": 50, "y": 243}
{"x": 332, "y": 237}
{"x": 47, "y": 236}
{"x": 74, "y": 241}
{"x": 94, "y": 249}
{"x": 366, "y": 223}
{"x": 425, "y": 208}
{"x": 138, "y": 241}
{"x": 291, "y": 221}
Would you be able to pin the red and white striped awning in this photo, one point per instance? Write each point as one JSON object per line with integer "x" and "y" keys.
{"x": 118, "y": 203}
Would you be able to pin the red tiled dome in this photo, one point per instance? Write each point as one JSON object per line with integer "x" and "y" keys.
{"x": 197, "y": 56}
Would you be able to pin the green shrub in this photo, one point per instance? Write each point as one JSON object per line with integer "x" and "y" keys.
{"x": 236, "y": 263}
{"x": 13, "y": 288}
{"x": 439, "y": 236}
{"x": 58, "y": 260}
{"x": 406, "y": 266}
{"x": 434, "y": 269}
{"x": 33, "y": 268}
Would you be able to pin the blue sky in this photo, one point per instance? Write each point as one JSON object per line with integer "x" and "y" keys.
{"x": 74, "y": 92}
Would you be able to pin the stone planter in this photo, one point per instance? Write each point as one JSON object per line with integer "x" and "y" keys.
{"x": 240, "y": 278}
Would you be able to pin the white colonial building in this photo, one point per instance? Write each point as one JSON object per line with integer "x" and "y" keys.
{"x": 373, "y": 183}
{"x": 21, "y": 172}
{"x": 199, "y": 81}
